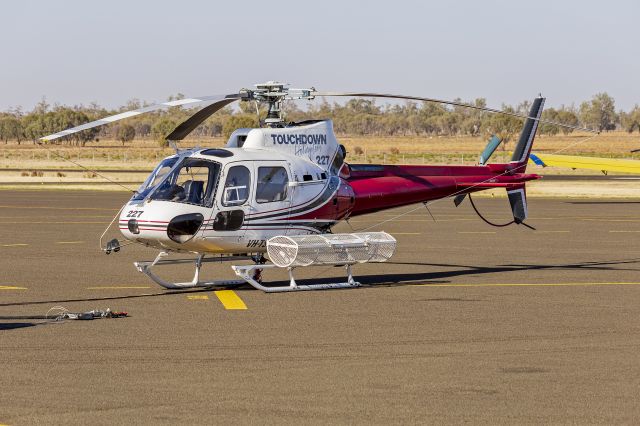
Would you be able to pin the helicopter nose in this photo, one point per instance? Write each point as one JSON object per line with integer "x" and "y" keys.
{"x": 182, "y": 228}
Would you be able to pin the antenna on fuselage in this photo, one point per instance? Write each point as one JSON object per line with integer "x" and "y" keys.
{"x": 174, "y": 146}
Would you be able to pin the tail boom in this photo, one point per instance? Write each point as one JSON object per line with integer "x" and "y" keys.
{"x": 378, "y": 187}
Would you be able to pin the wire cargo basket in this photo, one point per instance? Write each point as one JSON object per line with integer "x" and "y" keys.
{"x": 330, "y": 249}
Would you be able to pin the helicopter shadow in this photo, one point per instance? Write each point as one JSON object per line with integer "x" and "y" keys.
{"x": 5, "y": 326}
{"x": 457, "y": 270}
{"x": 602, "y": 202}
{"x": 460, "y": 270}
{"x": 167, "y": 293}
{"x": 373, "y": 280}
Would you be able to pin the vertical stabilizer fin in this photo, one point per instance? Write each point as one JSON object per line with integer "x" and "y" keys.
{"x": 523, "y": 149}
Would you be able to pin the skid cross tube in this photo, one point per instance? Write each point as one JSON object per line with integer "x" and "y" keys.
{"x": 145, "y": 268}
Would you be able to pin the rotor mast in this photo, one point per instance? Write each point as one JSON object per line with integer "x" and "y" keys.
{"x": 273, "y": 94}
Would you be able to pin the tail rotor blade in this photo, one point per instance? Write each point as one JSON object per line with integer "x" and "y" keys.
{"x": 488, "y": 151}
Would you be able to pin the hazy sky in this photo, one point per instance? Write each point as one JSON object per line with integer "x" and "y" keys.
{"x": 79, "y": 51}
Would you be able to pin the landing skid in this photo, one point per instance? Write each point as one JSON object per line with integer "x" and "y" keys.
{"x": 248, "y": 273}
{"x": 145, "y": 268}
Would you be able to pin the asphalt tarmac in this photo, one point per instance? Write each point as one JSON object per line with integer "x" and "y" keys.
{"x": 466, "y": 324}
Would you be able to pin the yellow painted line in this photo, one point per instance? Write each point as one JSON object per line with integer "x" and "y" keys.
{"x": 198, "y": 297}
{"x": 610, "y": 220}
{"x": 13, "y": 245}
{"x": 476, "y": 232}
{"x": 414, "y": 220}
{"x": 603, "y": 219}
{"x": 525, "y": 284}
{"x": 407, "y": 233}
{"x": 70, "y": 242}
{"x": 50, "y": 223}
{"x": 592, "y": 218}
{"x": 43, "y": 217}
{"x": 230, "y": 300}
{"x": 11, "y": 287}
{"x": 554, "y": 232}
{"x": 118, "y": 287}
{"x": 623, "y": 232}
{"x": 54, "y": 208}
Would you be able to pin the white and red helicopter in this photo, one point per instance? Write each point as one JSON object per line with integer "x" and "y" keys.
{"x": 273, "y": 193}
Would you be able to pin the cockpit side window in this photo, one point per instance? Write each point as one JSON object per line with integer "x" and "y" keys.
{"x": 236, "y": 186}
{"x": 193, "y": 182}
{"x": 155, "y": 178}
{"x": 272, "y": 184}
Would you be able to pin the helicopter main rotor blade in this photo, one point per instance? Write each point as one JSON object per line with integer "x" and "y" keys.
{"x": 454, "y": 103}
{"x": 196, "y": 119}
{"x": 133, "y": 113}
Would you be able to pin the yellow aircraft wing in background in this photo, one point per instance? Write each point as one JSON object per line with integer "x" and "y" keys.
{"x": 604, "y": 165}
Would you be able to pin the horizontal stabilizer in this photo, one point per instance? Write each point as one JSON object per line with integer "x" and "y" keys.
{"x": 459, "y": 199}
{"x": 489, "y": 185}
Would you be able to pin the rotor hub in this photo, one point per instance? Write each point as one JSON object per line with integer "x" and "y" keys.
{"x": 273, "y": 94}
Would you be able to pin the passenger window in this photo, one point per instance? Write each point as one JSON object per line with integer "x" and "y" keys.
{"x": 272, "y": 184}
{"x": 236, "y": 186}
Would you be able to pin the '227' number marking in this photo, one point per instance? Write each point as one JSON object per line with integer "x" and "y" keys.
{"x": 135, "y": 213}
{"x": 322, "y": 160}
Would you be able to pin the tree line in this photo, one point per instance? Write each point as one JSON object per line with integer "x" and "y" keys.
{"x": 360, "y": 116}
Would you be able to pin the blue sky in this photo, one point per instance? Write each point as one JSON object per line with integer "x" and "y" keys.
{"x": 75, "y": 52}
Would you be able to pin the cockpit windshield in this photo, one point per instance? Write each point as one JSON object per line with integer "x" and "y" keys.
{"x": 155, "y": 178}
{"x": 192, "y": 181}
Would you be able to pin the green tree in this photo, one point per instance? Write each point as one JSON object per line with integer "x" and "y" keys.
{"x": 569, "y": 117}
{"x": 599, "y": 113}
{"x": 63, "y": 118}
{"x": 11, "y": 129}
{"x": 162, "y": 129}
{"x": 125, "y": 133}
{"x": 549, "y": 114}
{"x": 237, "y": 122}
{"x": 631, "y": 120}
{"x": 506, "y": 127}
{"x": 33, "y": 125}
